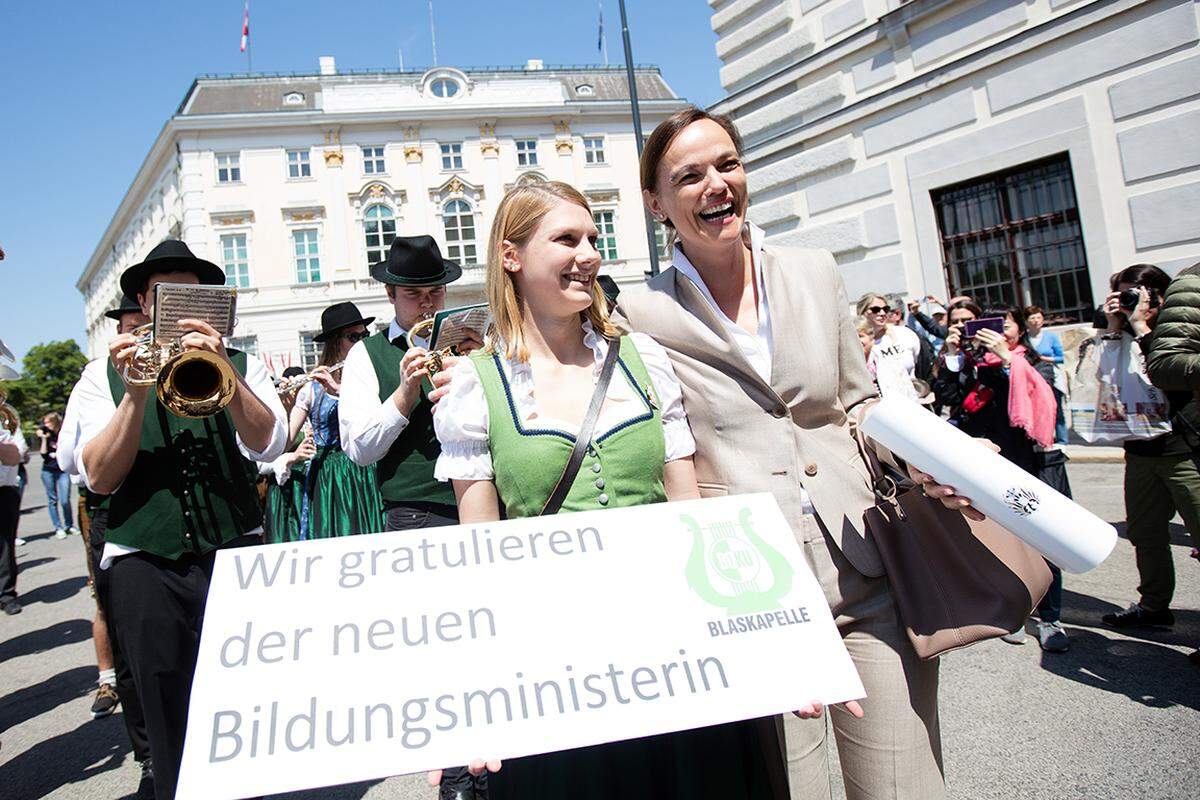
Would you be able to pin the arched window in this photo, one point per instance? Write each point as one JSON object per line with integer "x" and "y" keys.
{"x": 379, "y": 227}
{"x": 460, "y": 232}
{"x": 444, "y": 87}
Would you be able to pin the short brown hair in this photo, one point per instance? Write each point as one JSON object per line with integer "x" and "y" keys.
{"x": 1031, "y": 310}
{"x": 660, "y": 141}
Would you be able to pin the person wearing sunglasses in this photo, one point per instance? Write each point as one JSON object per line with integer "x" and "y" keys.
{"x": 896, "y": 352}
{"x": 340, "y": 497}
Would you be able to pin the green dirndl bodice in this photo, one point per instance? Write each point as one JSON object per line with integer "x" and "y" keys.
{"x": 341, "y": 498}
{"x": 623, "y": 467}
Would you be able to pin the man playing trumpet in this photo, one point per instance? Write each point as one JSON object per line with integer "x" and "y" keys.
{"x": 180, "y": 489}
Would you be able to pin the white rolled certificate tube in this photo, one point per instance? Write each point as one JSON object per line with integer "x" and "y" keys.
{"x": 1064, "y": 532}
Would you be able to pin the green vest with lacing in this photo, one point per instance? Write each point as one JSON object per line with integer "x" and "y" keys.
{"x": 190, "y": 489}
{"x": 405, "y": 473}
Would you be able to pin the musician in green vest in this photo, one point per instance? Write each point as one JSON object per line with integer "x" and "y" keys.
{"x": 179, "y": 490}
{"x": 385, "y": 417}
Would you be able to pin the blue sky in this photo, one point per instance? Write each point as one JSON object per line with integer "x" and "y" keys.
{"x": 85, "y": 88}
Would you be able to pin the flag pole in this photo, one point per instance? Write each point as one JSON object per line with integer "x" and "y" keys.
{"x": 652, "y": 245}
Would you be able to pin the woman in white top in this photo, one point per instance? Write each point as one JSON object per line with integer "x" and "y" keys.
{"x": 893, "y": 358}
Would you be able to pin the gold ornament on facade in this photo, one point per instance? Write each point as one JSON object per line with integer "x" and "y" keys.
{"x": 334, "y": 158}
{"x": 489, "y": 149}
{"x": 376, "y": 190}
{"x": 487, "y": 130}
{"x": 562, "y": 126}
{"x": 413, "y": 153}
{"x": 564, "y": 147}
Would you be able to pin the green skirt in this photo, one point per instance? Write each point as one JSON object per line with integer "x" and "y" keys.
{"x": 342, "y": 498}
{"x": 282, "y": 522}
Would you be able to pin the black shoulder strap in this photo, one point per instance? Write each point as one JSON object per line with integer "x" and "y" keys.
{"x": 584, "y": 438}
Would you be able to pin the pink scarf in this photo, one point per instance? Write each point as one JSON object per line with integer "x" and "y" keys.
{"x": 1031, "y": 405}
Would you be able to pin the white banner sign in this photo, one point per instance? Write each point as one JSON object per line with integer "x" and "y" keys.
{"x": 341, "y": 660}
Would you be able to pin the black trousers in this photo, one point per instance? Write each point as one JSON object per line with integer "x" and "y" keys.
{"x": 131, "y": 706}
{"x": 157, "y": 609}
{"x": 10, "y": 515}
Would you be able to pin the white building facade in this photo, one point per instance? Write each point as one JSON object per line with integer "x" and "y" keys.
{"x": 295, "y": 185}
{"x": 1015, "y": 150}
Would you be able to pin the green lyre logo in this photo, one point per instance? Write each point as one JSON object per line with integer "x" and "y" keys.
{"x": 731, "y": 567}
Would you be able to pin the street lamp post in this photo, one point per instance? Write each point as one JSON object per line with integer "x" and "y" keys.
{"x": 651, "y": 244}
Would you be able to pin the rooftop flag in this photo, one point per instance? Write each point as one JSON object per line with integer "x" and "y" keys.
{"x": 246, "y": 26}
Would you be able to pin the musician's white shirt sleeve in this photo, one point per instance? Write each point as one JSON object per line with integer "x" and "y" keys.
{"x": 68, "y": 438}
{"x": 368, "y": 427}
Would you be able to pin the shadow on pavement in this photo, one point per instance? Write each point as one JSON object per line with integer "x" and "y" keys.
{"x": 1178, "y": 533}
{"x": 1083, "y": 609}
{"x": 54, "y": 592}
{"x": 33, "y": 562}
{"x": 75, "y": 757}
{"x": 66, "y": 632}
{"x": 32, "y": 701}
{"x": 1145, "y": 672}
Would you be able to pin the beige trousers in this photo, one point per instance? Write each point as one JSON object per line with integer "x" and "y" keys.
{"x": 895, "y": 750}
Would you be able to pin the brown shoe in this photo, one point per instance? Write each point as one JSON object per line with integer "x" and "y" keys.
{"x": 106, "y": 701}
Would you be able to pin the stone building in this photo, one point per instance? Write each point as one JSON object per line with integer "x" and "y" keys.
{"x": 1015, "y": 150}
{"x": 295, "y": 184}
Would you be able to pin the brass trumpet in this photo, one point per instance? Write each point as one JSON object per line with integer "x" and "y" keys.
{"x": 191, "y": 383}
{"x": 297, "y": 382}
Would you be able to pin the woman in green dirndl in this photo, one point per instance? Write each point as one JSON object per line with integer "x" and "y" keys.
{"x": 507, "y": 426}
{"x": 285, "y": 481}
{"x": 340, "y": 497}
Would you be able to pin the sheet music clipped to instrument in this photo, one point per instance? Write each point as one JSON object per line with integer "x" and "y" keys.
{"x": 216, "y": 305}
{"x": 451, "y": 325}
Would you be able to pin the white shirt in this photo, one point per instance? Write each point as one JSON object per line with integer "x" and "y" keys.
{"x": 68, "y": 435}
{"x": 8, "y": 475}
{"x": 368, "y": 427}
{"x": 461, "y": 421}
{"x": 757, "y": 347}
{"x": 893, "y": 361}
{"x": 95, "y": 409}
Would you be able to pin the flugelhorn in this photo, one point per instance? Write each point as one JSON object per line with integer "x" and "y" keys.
{"x": 296, "y": 382}
{"x": 191, "y": 383}
{"x": 433, "y": 363}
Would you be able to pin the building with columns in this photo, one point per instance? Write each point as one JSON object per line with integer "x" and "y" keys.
{"x": 1014, "y": 150}
{"x": 296, "y": 184}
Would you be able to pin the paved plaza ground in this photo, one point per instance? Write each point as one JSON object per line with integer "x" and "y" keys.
{"x": 1116, "y": 717}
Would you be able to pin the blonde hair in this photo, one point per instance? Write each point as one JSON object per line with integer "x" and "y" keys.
{"x": 517, "y": 218}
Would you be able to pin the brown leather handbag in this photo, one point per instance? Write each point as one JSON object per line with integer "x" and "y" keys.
{"x": 955, "y": 582}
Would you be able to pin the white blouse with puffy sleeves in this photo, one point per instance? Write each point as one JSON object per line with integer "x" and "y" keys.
{"x": 461, "y": 417}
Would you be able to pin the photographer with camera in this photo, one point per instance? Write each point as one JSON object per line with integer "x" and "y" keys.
{"x": 1161, "y": 476}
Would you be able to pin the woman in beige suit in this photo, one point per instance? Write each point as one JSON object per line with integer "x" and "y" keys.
{"x": 762, "y": 340}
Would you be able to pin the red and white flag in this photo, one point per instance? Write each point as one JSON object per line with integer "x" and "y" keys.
{"x": 246, "y": 26}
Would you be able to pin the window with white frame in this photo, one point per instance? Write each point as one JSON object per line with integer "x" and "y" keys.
{"x": 663, "y": 242}
{"x": 310, "y": 351}
{"x": 593, "y": 149}
{"x": 527, "y": 153}
{"x": 459, "y": 223}
{"x": 379, "y": 229}
{"x": 444, "y": 87}
{"x": 373, "y": 160}
{"x": 235, "y": 260}
{"x": 306, "y": 249}
{"x": 229, "y": 168}
{"x": 606, "y": 234}
{"x": 452, "y": 155}
{"x": 247, "y": 344}
{"x": 298, "y": 165}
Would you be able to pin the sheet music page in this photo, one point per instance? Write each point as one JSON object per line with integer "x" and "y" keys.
{"x": 450, "y": 325}
{"x": 216, "y": 305}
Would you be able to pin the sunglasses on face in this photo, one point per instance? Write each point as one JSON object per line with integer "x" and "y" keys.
{"x": 355, "y": 337}
{"x": 878, "y": 309}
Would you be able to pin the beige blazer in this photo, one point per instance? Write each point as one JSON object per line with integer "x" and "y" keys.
{"x": 794, "y": 431}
